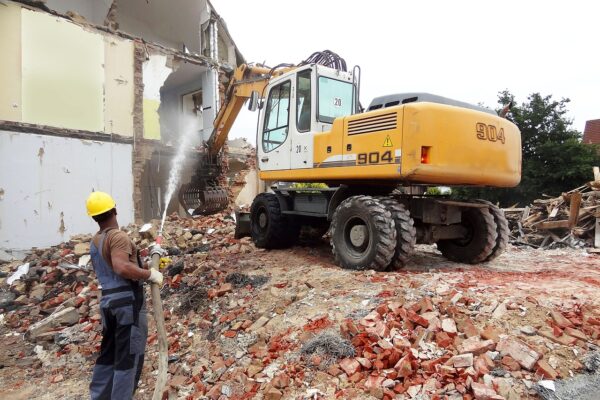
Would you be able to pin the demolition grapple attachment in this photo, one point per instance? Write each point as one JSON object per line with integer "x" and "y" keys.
{"x": 198, "y": 200}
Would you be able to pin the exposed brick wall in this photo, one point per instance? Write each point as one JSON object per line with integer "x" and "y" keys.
{"x": 142, "y": 149}
{"x": 591, "y": 134}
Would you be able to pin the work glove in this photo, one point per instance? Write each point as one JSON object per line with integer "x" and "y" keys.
{"x": 156, "y": 277}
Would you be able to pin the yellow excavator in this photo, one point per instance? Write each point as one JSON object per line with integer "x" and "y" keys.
{"x": 373, "y": 165}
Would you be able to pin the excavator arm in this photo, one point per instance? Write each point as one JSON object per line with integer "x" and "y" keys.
{"x": 203, "y": 195}
{"x": 245, "y": 80}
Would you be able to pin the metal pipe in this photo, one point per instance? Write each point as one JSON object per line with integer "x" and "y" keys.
{"x": 163, "y": 347}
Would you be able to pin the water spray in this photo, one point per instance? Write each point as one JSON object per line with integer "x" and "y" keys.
{"x": 176, "y": 165}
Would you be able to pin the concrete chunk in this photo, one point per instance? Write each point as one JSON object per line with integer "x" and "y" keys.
{"x": 519, "y": 351}
{"x": 67, "y": 317}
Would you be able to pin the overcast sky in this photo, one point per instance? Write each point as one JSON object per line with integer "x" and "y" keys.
{"x": 465, "y": 50}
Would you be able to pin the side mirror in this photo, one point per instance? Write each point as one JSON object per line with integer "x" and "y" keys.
{"x": 253, "y": 103}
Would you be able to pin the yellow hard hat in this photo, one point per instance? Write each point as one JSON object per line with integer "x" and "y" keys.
{"x": 98, "y": 203}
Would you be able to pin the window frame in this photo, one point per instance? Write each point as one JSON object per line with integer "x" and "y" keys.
{"x": 352, "y": 106}
{"x": 310, "y": 76}
{"x": 267, "y": 115}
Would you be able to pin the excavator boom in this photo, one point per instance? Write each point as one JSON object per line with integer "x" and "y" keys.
{"x": 203, "y": 195}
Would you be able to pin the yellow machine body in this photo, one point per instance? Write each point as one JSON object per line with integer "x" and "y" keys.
{"x": 415, "y": 143}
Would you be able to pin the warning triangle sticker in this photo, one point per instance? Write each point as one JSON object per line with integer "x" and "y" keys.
{"x": 387, "y": 142}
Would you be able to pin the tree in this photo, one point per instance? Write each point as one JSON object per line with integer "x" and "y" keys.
{"x": 554, "y": 159}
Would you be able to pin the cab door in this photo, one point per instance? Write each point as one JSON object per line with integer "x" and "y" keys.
{"x": 304, "y": 120}
{"x": 274, "y": 138}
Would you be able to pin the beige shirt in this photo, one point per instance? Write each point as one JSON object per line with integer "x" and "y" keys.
{"x": 116, "y": 240}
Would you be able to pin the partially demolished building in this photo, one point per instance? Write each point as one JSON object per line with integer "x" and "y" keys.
{"x": 93, "y": 95}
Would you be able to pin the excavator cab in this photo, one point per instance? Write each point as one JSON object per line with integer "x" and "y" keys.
{"x": 297, "y": 105}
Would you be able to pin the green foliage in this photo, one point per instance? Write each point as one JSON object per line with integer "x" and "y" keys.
{"x": 554, "y": 159}
{"x": 308, "y": 185}
{"x": 433, "y": 191}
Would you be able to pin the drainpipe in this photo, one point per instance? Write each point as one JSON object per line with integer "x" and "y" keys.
{"x": 214, "y": 54}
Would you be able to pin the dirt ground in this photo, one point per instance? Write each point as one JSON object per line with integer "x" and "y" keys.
{"x": 219, "y": 348}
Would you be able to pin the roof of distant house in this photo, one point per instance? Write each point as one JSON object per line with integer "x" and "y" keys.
{"x": 591, "y": 134}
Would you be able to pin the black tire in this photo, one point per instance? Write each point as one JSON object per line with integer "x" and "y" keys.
{"x": 501, "y": 229}
{"x": 406, "y": 234}
{"x": 479, "y": 242}
{"x": 270, "y": 229}
{"x": 376, "y": 230}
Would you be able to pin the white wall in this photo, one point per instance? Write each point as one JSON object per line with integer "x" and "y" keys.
{"x": 45, "y": 180}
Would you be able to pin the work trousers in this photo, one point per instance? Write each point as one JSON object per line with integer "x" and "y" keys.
{"x": 119, "y": 365}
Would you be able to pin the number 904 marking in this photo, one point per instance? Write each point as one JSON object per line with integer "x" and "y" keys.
{"x": 374, "y": 158}
{"x": 489, "y": 132}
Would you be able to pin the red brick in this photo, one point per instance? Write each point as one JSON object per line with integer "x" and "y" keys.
{"x": 576, "y": 333}
{"x": 417, "y": 319}
{"x": 426, "y": 305}
{"x": 357, "y": 377}
{"x": 382, "y": 309}
{"x": 461, "y": 361}
{"x": 430, "y": 365}
{"x": 399, "y": 388}
{"x": 476, "y": 346}
{"x": 224, "y": 289}
{"x": 544, "y": 369}
{"x": 483, "y": 392}
{"x": 518, "y": 350}
{"x": 490, "y": 333}
{"x": 443, "y": 339}
{"x": 334, "y": 370}
{"x": 281, "y": 381}
{"x": 466, "y": 326}
{"x": 364, "y": 362}
{"x": 488, "y": 361}
{"x": 510, "y": 363}
{"x": 273, "y": 394}
{"x": 449, "y": 326}
{"x": 481, "y": 366}
{"x": 380, "y": 329}
{"x": 350, "y": 366}
{"x": 373, "y": 382}
{"x": 560, "y": 319}
{"x": 404, "y": 367}
{"x": 564, "y": 339}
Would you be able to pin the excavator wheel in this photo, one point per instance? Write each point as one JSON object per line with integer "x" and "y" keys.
{"x": 270, "y": 229}
{"x": 363, "y": 234}
{"x": 479, "y": 242}
{"x": 406, "y": 234}
{"x": 501, "y": 229}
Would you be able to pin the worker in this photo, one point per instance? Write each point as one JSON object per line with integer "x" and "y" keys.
{"x": 120, "y": 273}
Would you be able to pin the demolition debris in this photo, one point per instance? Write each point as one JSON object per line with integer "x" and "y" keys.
{"x": 244, "y": 322}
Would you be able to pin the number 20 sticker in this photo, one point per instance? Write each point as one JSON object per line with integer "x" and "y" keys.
{"x": 337, "y": 102}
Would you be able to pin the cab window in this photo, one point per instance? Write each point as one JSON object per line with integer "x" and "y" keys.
{"x": 303, "y": 101}
{"x": 275, "y": 129}
{"x": 335, "y": 99}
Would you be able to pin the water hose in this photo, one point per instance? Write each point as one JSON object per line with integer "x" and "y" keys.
{"x": 159, "y": 318}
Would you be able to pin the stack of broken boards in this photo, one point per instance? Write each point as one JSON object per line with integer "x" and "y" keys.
{"x": 572, "y": 219}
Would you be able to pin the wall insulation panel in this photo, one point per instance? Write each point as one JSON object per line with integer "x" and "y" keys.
{"x": 155, "y": 72}
{"x": 63, "y": 73}
{"x": 45, "y": 180}
{"x": 118, "y": 88}
{"x": 10, "y": 66}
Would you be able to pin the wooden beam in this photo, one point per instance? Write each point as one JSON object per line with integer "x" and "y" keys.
{"x": 574, "y": 209}
{"x": 597, "y": 236}
{"x": 553, "y": 224}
